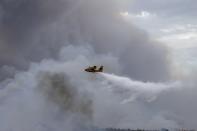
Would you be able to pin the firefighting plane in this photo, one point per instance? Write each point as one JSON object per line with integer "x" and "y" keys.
{"x": 94, "y": 69}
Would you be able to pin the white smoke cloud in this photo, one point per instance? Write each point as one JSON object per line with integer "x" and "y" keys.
{"x": 52, "y": 95}
{"x": 58, "y": 95}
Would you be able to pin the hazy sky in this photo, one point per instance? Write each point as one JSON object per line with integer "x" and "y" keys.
{"x": 171, "y": 22}
{"x": 171, "y": 19}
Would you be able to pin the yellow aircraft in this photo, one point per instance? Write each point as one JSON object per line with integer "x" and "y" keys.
{"x": 94, "y": 70}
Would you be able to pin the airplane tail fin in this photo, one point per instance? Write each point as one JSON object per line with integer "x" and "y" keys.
{"x": 101, "y": 69}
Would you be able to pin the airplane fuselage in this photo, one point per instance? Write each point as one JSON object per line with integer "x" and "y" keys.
{"x": 94, "y": 70}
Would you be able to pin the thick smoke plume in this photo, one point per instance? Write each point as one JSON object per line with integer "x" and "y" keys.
{"x": 53, "y": 41}
{"x": 59, "y": 95}
{"x": 32, "y": 30}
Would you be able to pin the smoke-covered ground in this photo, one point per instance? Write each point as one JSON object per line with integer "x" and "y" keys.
{"x": 45, "y": 47}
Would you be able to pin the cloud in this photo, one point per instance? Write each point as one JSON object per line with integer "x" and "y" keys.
{"x": 179, "y": 36}
{"x": 145, "y": 14}
{"x": 167, "y": 8}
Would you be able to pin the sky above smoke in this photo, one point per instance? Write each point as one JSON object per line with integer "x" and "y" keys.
{"x": 45, "y": 46}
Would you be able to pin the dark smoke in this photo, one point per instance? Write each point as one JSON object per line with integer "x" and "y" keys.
{"x": 32, "y": 30}
{"x": 58, "y": 89}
